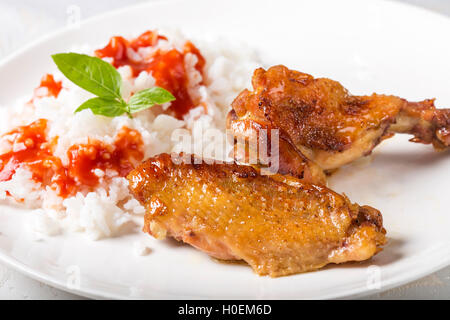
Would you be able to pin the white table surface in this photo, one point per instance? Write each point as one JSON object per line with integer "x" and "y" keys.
{"x": 24, "y": 20}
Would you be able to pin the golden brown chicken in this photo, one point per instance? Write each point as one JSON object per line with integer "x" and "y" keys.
{"x": 318, "y": 118}
{"x": 278, "y": 225}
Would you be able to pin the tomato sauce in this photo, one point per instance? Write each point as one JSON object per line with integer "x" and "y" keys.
{"x": 27, "y": 147}
{"x": 31, "y": 148}
{"x": 53, "y": 88}
{"x": 167, "y": 67}
{"x": 118, "y": 46}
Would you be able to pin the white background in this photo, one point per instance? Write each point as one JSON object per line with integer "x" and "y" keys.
{"x": 25, "y": 20}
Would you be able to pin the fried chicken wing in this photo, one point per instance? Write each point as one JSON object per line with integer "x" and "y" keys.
{"x": 318, "y": 118}
{"x": 279, "y": 225}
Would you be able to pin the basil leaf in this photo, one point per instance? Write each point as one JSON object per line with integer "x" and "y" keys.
{"x": 149, "y": 97}
{"x": 90, "y": 73}
{"x": 104, "y": 106}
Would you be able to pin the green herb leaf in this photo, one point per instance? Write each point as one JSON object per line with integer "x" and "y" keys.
{"x": 149, "y": 97}
{"x": 108, "y": 107}
{"x": 90, "y": 73}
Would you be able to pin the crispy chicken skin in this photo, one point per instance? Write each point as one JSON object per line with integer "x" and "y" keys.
{"x": 291, "y": 160}
{"x": 318, "y": 118}
{"x": 279, "y": 225}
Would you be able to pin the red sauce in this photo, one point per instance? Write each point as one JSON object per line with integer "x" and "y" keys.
{"x": 30, "y": 148}
{"x": 118, "y": 46}
{"x": 189, "y": 47}
{"x": 167, "y": 67}
{"x": 147, "y": 39}
{"x": 168, "y": 70}
{"x": 53, "y": 87}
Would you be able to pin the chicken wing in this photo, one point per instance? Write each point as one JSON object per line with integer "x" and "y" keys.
{"x": 279, "y": 225}
{"x": 318, "y": 118}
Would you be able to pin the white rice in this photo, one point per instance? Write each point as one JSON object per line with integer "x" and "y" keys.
{"x": 111, "y": 210}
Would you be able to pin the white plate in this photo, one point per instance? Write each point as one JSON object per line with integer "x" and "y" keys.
{"x": 368, "y": 46}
